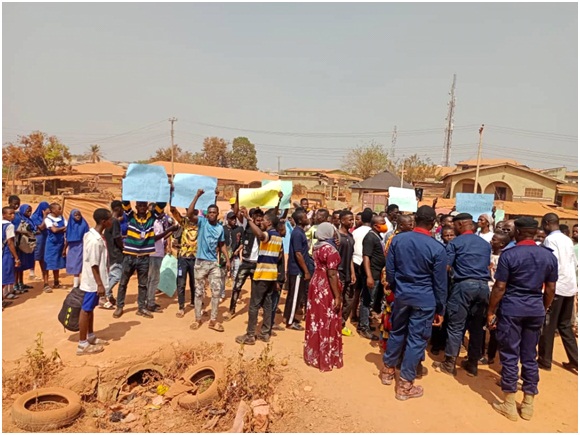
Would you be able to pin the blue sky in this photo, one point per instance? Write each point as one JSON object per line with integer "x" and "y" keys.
{"x": 113, "y": 74}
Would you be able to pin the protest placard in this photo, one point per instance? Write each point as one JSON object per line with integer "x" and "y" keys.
{"x": 185, "y": 187}
{"x": 475, "y": 204}
{"x": 260, "y": 197}
{"x": 405, "y": 198}
{"x": 282, "y": 185}
{"x": 146, "y": 183}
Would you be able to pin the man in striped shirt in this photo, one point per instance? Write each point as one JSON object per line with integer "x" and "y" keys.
{"x": 137, "y": 246}
{"x": 265, "y": 277}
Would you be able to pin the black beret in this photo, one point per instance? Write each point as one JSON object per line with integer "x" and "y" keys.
{"x": 526, "y": 222}
{"x": 462, "y": 217}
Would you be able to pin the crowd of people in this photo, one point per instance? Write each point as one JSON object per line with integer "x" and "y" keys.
{"x": 404, "y": 280}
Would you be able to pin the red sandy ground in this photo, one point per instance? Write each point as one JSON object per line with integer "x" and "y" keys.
{"x": 351, "y": 399}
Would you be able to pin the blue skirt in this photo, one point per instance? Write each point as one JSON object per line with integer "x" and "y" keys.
{"x": 74, "y": 258}
{"x": 26, "y": 261}
{"x": 40, "y": 246}
{"x": 7, "y": 267}
{"x": 53, "y": 252}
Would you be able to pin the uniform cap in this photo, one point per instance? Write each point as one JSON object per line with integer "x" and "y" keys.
{"x": 526, "y": 222}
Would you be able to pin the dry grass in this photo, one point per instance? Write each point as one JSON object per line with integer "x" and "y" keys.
{"x": 34, "y": 370}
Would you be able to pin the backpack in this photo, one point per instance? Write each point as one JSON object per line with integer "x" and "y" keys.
{"x": 71, "y": 309}
{"x": 26, "y": 242}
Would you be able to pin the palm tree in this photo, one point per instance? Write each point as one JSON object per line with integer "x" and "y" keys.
{"x": 95, "y": 154}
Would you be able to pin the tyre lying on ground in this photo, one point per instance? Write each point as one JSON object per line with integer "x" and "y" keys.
{"x": 205, "y": 376}
{"x": 46, "y": 409}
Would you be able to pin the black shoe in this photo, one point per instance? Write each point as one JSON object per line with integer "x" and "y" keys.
{"x": 246, "y": 339}
{"x": 145, "y": 313}
{"x": 470, "y": 368}
{"x": 421, "y": 371}
{"x": 118, "y": 312}
{"x": 543, "y": 366}
{"x": 447, "y": 366}
{"x": 365, "y": 333}
{"x": 155, "y": 309}
{"x": 570, "y": 367}
{"x": 263, "y": 337}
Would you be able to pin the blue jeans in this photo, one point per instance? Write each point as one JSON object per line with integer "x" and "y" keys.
{"x": 411, "y": 329}
{"x": 368, "y": 297}
{"x": 467, "y": 306}
{"x": 153, "y": 278}
{"x": 132, "y": 263}
{"x": 115, "y": 273}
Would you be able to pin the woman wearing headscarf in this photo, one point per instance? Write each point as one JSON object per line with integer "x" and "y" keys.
{"x": 73, "y": 248}
{"x": 323, "y": 338}
{"x": 23, "y": 225}
{"x": 485, "y": 225}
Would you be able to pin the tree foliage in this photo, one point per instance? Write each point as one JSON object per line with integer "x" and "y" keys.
{"x": 417, "y": 169}
{"x": 94, "y": 154}
{"x": 243, "y": 154}
{"x": 366, "y": 161}
{"x": 180, "y": 156}
{"x": 37, "y": 155}
{"x": 214, "y": 153}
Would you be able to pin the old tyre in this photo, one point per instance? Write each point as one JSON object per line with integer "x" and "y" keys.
{"x": 51, "y": 419}
{"x": 197, "y": 375}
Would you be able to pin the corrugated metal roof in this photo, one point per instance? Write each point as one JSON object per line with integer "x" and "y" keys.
{"x": 381, "y": 181}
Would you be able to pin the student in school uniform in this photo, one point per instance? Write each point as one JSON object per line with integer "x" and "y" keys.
{"x": 55, "y": 241}
{"x": 37, "y": 219}
{"x": 10, "y": 258}
{"x": 75, "y": 231}
{"x": 25, "y": 226}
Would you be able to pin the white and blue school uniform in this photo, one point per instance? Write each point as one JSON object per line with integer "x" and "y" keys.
{"x": 53, "y": 250}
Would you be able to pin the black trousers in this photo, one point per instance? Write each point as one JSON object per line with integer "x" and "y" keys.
{"x": 261, "y": 297}
{"x": 348, "y": 292}
{"x": 185, "y": 268}
{"x": 491, "y": 346}
{"x": 297, "y": 289}
{"x": 558, "y": 318}
{"x": 245, "y": 270}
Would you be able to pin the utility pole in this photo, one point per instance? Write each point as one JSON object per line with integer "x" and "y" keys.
{"x": 172, "y": 120}
{"x": 393, "y": 143}
{"x": 279, "y": 157}
{"x": 478, "y": 158}
{"x": 449, "y": 125}
{"x": 402, "y": 170}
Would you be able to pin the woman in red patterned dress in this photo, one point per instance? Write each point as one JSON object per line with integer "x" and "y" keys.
{"x": 323, "y": 339}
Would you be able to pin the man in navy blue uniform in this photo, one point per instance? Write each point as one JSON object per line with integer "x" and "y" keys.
{"x": 417, "y": 273}
{"x": 468, "y": 256}
{"x": 521, "y": 273}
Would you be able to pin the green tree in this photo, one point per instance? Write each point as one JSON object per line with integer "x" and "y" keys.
{"x": 37, "y": 155}
{"x": 243, "y": 155}
{"x": 94, "y": 154}
{"x": 366, "y": 161}
{"x": 214, "y": 153}
{"x": 417, "y": 169}
{"x": 164, "y": 155}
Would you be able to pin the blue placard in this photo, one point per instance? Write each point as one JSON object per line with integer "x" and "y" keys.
{"x": 475, "y": 204}
{"x": 185, "y": 187}
{"x": 146, "y": 183}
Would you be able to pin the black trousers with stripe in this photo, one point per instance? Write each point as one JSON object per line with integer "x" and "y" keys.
{"x": 297, "y": 288}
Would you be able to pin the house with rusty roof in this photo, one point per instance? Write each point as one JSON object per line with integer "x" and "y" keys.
{"x": 372, "y": 192}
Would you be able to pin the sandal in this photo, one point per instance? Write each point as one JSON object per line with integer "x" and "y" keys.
{"x": 216, "y": 326}
{"x": 47, "y": 289}
{"x": 180, "y": 313}
{"x": 107, "y": 306}
{"x": 11, "y": 296}
{"x": 98, "y": 341}
{"x": 195, "y": 325}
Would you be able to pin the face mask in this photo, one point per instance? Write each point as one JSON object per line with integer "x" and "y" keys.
{"x": 383, "y": 228}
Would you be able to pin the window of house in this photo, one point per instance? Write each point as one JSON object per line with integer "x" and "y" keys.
{"x": 500, "y": 193}
{"x": 559, "y": 200}
{"x": 533, "y": 193}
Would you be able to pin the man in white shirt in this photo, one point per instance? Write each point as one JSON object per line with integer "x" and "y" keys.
{"x": 559, "y": 315}
{"x": 357, "y": 258}
{"x": 94, "y": 281}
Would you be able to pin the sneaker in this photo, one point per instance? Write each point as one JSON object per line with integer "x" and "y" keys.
{"x": 90, "y": 349}
{"x": 118, "y": 313}
{"x": 145, "y": 313}
{"x": 296, "y": 327}
{"x": 47, "y": 289}
{"x": 346, "y": 332}
{"x": 246, "y": 339}
{"x": 98, "y": 341}
{"x": 155, "y": 309}
{"x": 471, "y": 369}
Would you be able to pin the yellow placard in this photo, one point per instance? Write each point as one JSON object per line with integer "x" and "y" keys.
{"x": 260, "y": 197}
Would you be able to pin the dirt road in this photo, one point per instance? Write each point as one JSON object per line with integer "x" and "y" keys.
{"x": 351, "y": 399}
